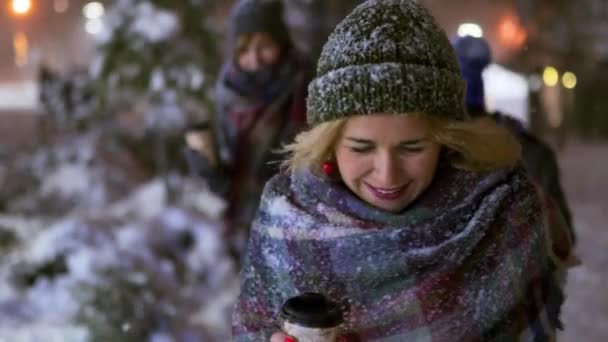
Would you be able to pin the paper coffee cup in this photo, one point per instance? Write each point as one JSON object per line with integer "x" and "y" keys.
{"x": 311, "y": 317}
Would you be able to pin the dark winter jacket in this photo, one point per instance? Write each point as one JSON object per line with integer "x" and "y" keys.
{"x": 541, "y": 165}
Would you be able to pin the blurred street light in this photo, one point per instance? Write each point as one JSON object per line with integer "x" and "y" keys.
{"x": 93, "y": 26}
{"x": 510, "y": 32}
{"x": 21, "y": 7}
{"x": 93, "y": 10}
{"x": 569, "y": 80}
{"x": 470, "y": 29}
{"x": 550, "y": 76}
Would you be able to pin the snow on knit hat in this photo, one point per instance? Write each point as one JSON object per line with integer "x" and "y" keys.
{"x": 250, "y": 16}
{"x": 387, "y": 56}
{"x": 474, "y": 56}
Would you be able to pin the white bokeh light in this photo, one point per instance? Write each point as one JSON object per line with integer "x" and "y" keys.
{"x": 470, "y": 29}
{"x": 93, "y": 10}
{"x": 94, "y": 26}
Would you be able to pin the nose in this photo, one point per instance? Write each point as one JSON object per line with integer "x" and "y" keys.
{"x": 251, "y": 59}
{"x": 256, "y": 60}
{"x": 387, "y": 169}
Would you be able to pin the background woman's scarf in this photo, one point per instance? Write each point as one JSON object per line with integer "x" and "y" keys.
{"x": 467, "y": 262}
{"x": 256, "y": 114}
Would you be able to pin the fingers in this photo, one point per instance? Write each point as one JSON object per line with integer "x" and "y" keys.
{"x": 280, "y": 337}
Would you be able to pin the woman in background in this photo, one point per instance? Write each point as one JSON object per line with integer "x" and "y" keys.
{"x": 260, "y": 101}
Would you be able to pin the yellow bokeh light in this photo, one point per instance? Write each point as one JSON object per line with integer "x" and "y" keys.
{"x": 21, "y": 7}
{"x": 550, "y": 76}
{"x": 569, "y": 80}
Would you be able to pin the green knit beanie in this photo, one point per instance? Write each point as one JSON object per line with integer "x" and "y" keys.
{"x": 387, "y": 56}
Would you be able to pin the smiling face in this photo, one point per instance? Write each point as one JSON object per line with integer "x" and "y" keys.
{"x": 387, "y": 160}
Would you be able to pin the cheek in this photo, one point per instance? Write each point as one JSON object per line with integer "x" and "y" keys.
{"x": 422, "y": 168}
{"x": 270, "y": 55}
{"x": 244, "y": 60}
{"x": 351, "y": 165}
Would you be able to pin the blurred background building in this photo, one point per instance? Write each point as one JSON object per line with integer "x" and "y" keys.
{"x": 558, "y": 47}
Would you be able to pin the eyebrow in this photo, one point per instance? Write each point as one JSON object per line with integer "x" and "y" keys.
{"x": 405, "y": 142}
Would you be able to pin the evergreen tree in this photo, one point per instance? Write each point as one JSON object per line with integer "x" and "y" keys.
{"x": 159, "y": 53}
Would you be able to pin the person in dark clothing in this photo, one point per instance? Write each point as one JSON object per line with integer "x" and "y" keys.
{"x": 538, "y": 159}
{"x": 260, "y": 100}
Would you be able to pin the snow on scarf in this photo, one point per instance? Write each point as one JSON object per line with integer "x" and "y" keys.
{"x": 466, "y": 262}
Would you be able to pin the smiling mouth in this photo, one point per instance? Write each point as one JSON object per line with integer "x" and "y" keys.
{"x": 387, "y": 193}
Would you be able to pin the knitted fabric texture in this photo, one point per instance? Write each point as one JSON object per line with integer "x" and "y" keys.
{"x": 474, "y": 56}
{"x": 387, "y": 56}
{"x": 266, "y": 16}
{"x": 466, "y": 262}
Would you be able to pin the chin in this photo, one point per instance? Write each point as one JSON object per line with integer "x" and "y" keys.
{"x": 396, "y": 208}
{"x": 392, "y": 207}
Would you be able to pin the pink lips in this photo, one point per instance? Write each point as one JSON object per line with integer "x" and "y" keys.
{"x": 387, "y": 194}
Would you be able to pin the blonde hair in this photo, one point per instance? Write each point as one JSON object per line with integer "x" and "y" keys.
{"x": 476, "y": 145}
{"x": 313, "y": 147}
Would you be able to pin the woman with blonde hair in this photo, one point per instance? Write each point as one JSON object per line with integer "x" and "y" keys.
{"x": 416, "y": 220}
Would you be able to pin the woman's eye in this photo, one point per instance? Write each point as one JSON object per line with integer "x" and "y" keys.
{"x": 361, "y": 149}
{"x": 412, "y": 149}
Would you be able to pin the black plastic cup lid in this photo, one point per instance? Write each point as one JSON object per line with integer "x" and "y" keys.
{"x": 312, "y": 310}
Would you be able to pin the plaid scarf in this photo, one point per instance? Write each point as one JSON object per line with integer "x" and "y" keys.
{"x": 243, "y": 101}
{"x": 468, "y": 261}
{"x": 250, "y": 127}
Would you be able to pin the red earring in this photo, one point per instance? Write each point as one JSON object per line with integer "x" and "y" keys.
{"x": 328, "y": 168}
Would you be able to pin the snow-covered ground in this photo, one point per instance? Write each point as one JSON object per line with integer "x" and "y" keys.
{"x": 585, "y": 181}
